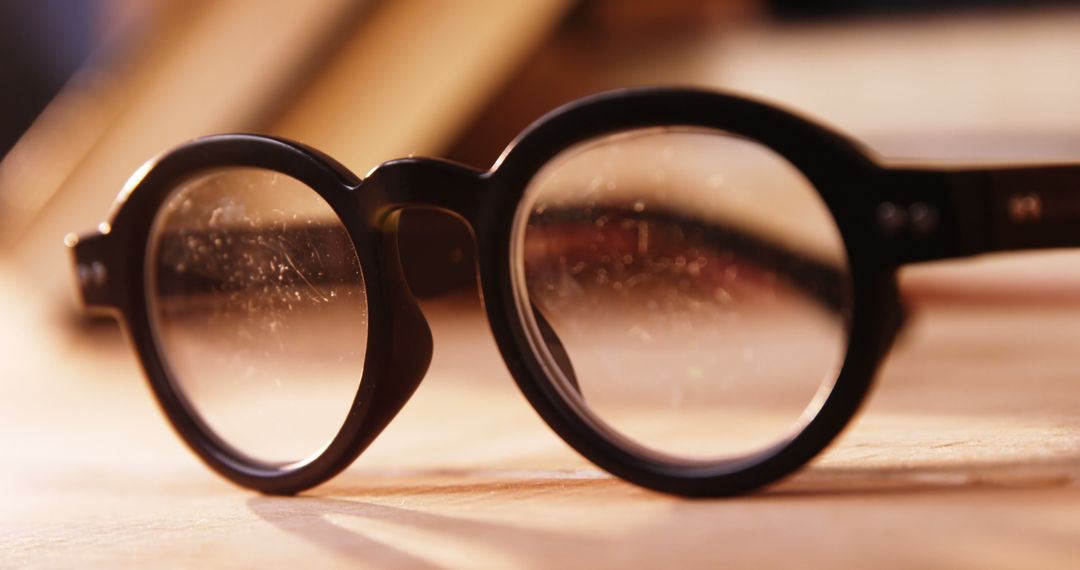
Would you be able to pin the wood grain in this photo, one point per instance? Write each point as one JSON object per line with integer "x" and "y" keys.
{"x": 968, "y": 455}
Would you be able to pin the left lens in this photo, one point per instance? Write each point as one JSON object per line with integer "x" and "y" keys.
{"x": 258, "y": 310}
{"x": 687, "y": 289}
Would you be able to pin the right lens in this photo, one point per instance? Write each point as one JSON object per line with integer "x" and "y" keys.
{"x": 688, "y": 287}
{"x": 258, "y": 310}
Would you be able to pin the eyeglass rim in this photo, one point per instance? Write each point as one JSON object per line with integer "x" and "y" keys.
{"x": 835, "y": 166}
{"x": 837, "y": 169}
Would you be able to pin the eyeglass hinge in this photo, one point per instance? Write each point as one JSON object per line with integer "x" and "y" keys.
{"x": 91, "y": 255}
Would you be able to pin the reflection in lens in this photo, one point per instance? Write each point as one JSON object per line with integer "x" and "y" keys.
{"x": 689, "y": 287}
{"x": 259, "y": 310}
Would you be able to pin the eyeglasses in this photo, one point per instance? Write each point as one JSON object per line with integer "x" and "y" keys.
{"x": 694, "y": 290}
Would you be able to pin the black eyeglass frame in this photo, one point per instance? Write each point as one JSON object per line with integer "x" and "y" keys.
{"x": 887, "y": 216}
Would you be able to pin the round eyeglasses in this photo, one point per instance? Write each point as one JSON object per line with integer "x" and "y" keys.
{"x": 693, "y": 289}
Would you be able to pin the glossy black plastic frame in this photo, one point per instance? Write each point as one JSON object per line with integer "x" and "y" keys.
{"x": 887, "y": 216}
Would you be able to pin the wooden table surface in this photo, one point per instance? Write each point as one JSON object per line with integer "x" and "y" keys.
{"x": 967, "y": 455}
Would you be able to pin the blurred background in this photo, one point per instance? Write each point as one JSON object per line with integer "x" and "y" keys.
{"x": 93, "y": 89}
{"x": 980, "y": 393}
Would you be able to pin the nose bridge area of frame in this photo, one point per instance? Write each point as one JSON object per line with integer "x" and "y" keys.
{"x": 386, "y": 194}
{"x": 456, "y": 191}
{"x": 426, "y": 207}
{"x": 400, "y": 352}
{"x": 428, "y": 183}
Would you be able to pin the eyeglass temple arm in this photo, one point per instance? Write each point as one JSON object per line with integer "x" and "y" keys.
{"x": 930, "y": 214}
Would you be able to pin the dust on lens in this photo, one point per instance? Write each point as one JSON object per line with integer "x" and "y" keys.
{"x": 258, "y": 309}
{"x": 688, "y": 288}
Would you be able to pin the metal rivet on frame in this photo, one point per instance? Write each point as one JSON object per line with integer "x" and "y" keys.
{"x": 1025, "y": 207}
{"x": 924, "y": 218}
{"x": 93, "y": 274}
{"x": 891, "y": 218}
{"x": 920, "y": 219}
